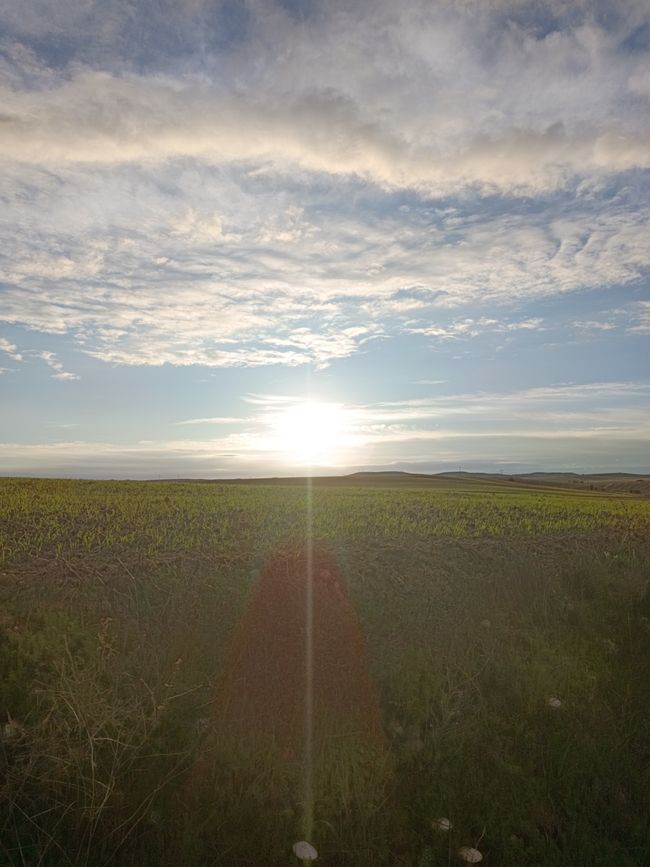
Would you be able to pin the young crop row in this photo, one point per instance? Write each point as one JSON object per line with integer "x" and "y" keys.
{"x": 60, "y": 519}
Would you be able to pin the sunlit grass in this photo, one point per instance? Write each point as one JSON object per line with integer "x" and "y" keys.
{"x": 70, "y": 518}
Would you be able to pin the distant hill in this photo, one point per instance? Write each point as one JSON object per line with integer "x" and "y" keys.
{"x": 613, "y": 483}
{"x": 381, "y": 473}
{"x": 621, "y": 483}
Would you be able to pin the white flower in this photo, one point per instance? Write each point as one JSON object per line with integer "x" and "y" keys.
{"x": 554, "y": 703}
{"x": 305, "y": 851}
{"x": 11, "y": 731}
{"x": 469, "y": 855}
{"x": 442, "y": 824}
{"x": 201, "y": 725}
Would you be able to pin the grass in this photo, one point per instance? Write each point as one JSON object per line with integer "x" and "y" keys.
{"x": 479, "y": 603}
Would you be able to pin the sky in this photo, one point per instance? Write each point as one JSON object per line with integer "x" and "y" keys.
{"x": 245, "y": 237}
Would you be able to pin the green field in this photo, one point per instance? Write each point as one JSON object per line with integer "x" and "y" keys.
{"x": 479, "y": 601}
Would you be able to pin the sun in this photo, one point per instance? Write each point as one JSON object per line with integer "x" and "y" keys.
{"x": 309, "y": 433}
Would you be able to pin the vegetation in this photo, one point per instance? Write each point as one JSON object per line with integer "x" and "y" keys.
{"x": 480, "y": 603}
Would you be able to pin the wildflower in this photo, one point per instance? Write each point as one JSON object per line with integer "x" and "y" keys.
{"x": 201, "y": 725}
{"x": 554, "y": 703}
{"x": 305, "y": 851}
{"x": 469, "y": 855}
{"x": 486, "y": 623}
{"x": 441, "y": 824}
{"x": 11, "y": 731}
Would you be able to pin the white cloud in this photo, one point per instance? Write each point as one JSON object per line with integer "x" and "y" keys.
{"x": 64, "y": 375}
{"x": 95, "y": 118}
{"x": 213, "y": 420}
{"x": 474, "y": 327}
{"x": 10, "y": 349}
{"x": 593, "y": 325}
{"x": 642, "y": 318}
{"x": 52, "y": 362}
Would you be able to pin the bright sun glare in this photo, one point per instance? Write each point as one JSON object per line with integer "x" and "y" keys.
{"x": 310, "y": 433}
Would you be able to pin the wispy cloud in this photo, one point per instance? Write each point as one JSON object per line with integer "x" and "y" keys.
{"x": 565, "y": 410}
{"x": 474, "y": 327}
{"x": 641, "y": 322}
{"x": 54, "y": 364}
{"x": 10, "y": 349}
{"x": 570, "y": 425}
{"x": 593, "y": 325}
{"x": 213, "y": 420}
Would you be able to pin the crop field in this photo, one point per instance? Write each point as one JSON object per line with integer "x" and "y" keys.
{"x": 492, "y": 640}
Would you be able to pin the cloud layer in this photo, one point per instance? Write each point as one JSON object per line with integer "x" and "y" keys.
{"x": 227, "y": 184}
{"x": 510, "y": 96}
{"x": 191, "y": 265}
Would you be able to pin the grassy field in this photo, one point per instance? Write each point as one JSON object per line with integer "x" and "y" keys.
{"x": 479, "y": 602}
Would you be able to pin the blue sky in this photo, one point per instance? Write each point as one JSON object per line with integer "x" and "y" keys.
{"x": 432, "y": 217}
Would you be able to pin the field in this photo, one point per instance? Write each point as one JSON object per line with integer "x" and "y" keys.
{"x": 478, "y": 603}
